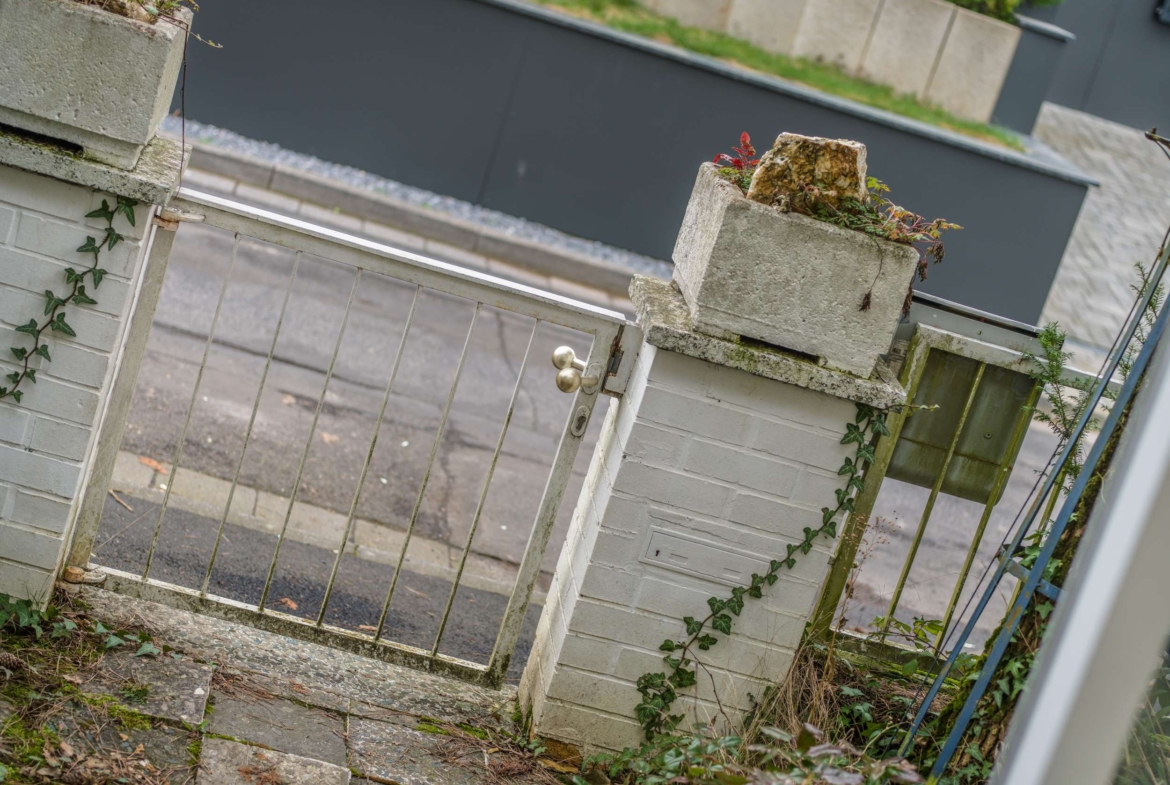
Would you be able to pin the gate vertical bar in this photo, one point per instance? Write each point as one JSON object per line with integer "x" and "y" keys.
{"x": 292, "y": 499}
{"x": 427, "y": 474}
{"x": 484, "y": 492}
{"x": 934, "y": 491}
{"x": 251, "y": 423}
{"x": 369, "y": 457}
{"x": 113, "y": 425}
{"x": 1001, "y": 481}
{"x": 162, "y": 510}
{"x": 546, "y": 516}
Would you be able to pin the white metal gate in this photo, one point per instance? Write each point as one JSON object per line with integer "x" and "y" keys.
{"x": 605, "y": 369}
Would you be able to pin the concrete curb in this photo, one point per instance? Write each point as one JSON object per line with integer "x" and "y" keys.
{"x": 398, "y": 214}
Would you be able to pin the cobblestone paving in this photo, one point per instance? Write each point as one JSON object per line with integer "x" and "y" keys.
{"x": 1122, "y": 221}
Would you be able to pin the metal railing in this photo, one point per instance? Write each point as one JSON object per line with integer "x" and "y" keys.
{"x": 605, "y": 369}
{"x": 966, "y": 447}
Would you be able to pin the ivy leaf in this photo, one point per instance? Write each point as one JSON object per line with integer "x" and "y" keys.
{"x": 72, "y": 275}
{"x": 847, "y": 467}
{"x": 30, "y": 328}
{"x": 90, "y": 246}
{"x": 775, "y": 565}
{"x": 707, "y": 641}
{"x": 805, "y": 547}
{"x": 31, "y": 373}
{"x": 716, "y": 604}
{"x": 683, "y": 678}
{"x": 148, "y": 649}
{"x": 693, "y": 625}
{"x": 51, "y": 302}
{"x": 19, "y": 351}
{"x": 878, "y": 426}
{"x": 112, "y": 238}
{"x": 826, "y": 516}
{"x": 81, "y": 298}
{"x": 43, "y": 351}
{"x": 667, "y": 645}
{"x": 755, "y": 592}
{"x": 59, "y": 325}
{"x": 722, "y": 623}
{"x": 126, "y": 208}
{"x": 17, "y": 395}
{"x": 98, "y": 275}
{"x": 772, "y": 577}
{"x": 789, "y": 563}
{"x": 831, "y": 529}
{"x": 13, "y": 377}
{"x": 101, "y": 212}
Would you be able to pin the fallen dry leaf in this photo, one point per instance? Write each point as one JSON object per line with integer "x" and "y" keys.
{"x": 329, "y": 438}
{"x": 153, "y": 464}
{"x": 367, "y": 628}
{"x": 286, "y": 602}
{"x": 417, "y": 593}
{"x": 288, "y": 400}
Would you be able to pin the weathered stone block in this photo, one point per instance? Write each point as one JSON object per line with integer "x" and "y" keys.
{"x": 83, "y": 75}
{"x": 771, "y": 25}
{"x": 836, "y": 31}
{"x": 905, "y": 42}
{"x": 973, "y": 65}
{"x": 748, "y": 269}
{"x": 835, "y": 166}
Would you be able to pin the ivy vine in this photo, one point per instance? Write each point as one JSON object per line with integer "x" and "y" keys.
{"x": 660, "y": 690}
{"x": 55, "y": 306}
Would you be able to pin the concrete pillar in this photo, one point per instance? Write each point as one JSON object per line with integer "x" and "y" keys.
{"x": 48, "y": 437}
{"x": 717, "y": 457}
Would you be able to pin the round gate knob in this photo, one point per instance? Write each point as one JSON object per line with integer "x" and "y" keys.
{"x": 563, "y": 357}
{"x": 569, "y": 380}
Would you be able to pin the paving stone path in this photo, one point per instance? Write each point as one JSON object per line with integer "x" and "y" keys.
{"x": 1122, "y": 221}
{"x": 261, "y": 709}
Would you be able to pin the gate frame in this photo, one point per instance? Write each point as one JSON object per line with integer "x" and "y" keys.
{"x": 615, "y": 347}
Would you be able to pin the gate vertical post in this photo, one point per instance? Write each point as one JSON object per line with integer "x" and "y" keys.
{"x": 49, "y": 448}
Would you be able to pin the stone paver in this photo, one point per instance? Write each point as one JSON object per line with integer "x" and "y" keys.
{"x": 281, "y": 725}
{"x": 391, "y": 752}
{"x": 1122, "y": 221}
{"x": 176, "y": 689}
{"x": 165, "y": 746}
{"x": 231, "y": 763}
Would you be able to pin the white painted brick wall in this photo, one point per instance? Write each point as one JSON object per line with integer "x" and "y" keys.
{"x": 704, "y": 456}
{"x": 46, "y": 438}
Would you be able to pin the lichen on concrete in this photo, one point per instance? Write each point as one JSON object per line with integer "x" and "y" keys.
{"x": 154, "y": 180}
{"x": 665, "y": 321}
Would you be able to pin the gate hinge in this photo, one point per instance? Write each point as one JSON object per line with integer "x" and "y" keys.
{"x": 623, "y": 352}
{"x": 169, "y": 218}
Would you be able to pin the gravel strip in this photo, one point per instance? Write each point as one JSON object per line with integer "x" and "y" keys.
{"x": 502, "y": 222}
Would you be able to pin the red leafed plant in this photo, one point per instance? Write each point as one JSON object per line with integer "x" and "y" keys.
{"x": 739, "y": 167}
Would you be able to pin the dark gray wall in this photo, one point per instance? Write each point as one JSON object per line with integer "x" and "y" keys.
{"x": 1119, "y": 66}
{"x": 584, "y": 130}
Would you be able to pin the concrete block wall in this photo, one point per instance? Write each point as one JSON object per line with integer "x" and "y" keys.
{"x": 46, "y": 437}
{"x": 702, "y": 474}
{"x": 932, "y": 49}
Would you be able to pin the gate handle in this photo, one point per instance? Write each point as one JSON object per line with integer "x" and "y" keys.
{"x": 569, "y": 377}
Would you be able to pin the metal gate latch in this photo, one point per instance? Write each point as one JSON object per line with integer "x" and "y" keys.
{"x": 570, "y": 377}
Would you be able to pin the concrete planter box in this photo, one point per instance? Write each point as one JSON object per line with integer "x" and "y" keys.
{"x": 85, "y": 76}
{"x": 746, "y": 269}
{"x": 973, "y": 65}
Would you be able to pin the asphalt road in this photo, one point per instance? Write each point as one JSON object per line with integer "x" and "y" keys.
{"x": 340, "y": 443}
{"x": 302, "y": 573}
